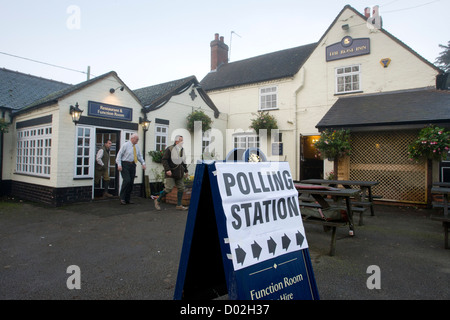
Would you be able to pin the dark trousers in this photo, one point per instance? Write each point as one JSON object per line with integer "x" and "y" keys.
{"x": 128, "y": 173}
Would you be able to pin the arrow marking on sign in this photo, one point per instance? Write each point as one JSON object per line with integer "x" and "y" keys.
{"x": 300, "y": 238}
{"x": 272, "y": 245}
{"x": 256, "y": 249}
{"x": 285, "y": 241}
{"x": 240, "y": 255}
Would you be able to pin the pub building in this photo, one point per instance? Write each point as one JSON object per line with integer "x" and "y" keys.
{"x": 55, "y": 129}
{"x": 50, "y": 147}
{"x": 358, "y": 77}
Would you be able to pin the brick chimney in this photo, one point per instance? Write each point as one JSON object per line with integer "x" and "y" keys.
{"x": 219, "y": 52}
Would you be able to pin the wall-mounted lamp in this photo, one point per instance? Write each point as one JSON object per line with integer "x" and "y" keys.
{"x": 144, "y": 122}
{"x": 345, "y": 27}
{"x": 75, "y": 112}
{"x": 114, "y": 90}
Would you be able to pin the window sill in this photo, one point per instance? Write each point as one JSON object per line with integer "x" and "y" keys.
{"x": 31, "y": 175}
{"x": 268, "y": 109}
{"x": 345, "y": 93}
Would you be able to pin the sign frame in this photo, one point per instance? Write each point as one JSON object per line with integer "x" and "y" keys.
{"x": 347, "y": 48}
{"x": 109, "y": 111}
{"x": 206, "y": 269}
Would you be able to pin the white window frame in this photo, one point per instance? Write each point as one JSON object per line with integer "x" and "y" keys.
{"x": 206, "y": 141}
{"x": 345, "y": 79}
{"x": 165, "y": 136}
{"x": 246, "y": 141}
{"x": 84, "y": 152}
{"x": 268, "y": 98}
{"x": 34, "y": 147}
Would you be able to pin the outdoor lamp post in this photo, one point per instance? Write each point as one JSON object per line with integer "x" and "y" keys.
{"x": 144, "y": 122}
{"x": 75, "y": 112}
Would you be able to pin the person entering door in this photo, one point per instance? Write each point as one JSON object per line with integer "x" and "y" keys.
{"x": 102, "y": 167}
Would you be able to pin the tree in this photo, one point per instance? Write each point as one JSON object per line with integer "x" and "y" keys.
{"x": 334, "y": 144}
{"x": 443, "y": 61}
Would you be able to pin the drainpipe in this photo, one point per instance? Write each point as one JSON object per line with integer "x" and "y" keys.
{"x": 297, "y": 143}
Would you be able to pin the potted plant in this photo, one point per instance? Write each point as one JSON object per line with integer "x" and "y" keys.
{"x": 334, "y": 144}
{"x": 264, "y": 120}
{"x": 156, "y": 155}
{"x": 432, "y": 143}
{"x": 198, "y": 115}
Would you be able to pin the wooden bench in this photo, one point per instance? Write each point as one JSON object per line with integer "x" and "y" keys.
{"x": 327, "y": 225}
{"x": 446, "y": 224}
{"x": 360, "y": 208}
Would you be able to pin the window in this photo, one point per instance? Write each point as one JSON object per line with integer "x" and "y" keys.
{"x": 83, "y": 168}
{"x": 206, "y": 141}
{"x": 348, "y": 79}
{"x": 246, "y": 141}
{"x": 33, "y": 151}
{"x": 161, "y": 136}
{"x": 268, "y": 98}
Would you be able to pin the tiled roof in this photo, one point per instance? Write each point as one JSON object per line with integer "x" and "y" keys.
{"x": 271, "y": 66}
{"x": 54, "y": 96}
{"x": 277, "y": 65}
{"x": 151, "y": 95}
{"x": 18, "y": 90}
{"x": 155, "y": 97}
{"x": 420, "y": 106}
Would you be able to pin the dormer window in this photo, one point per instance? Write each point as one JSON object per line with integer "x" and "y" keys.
{"x": 268, "y": 97}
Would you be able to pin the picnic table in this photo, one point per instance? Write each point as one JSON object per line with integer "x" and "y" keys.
{"x": 442, "y": 188}
{"x": 365, "y": 196}
{"x": 319, "y": 195}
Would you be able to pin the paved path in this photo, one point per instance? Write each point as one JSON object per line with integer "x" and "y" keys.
{"x": 133, "y": 251}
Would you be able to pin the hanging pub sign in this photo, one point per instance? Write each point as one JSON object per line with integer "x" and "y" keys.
{"x": 244, "y": 235}
{"x": 348, "y": 47}
{"x": 102, "y": 110}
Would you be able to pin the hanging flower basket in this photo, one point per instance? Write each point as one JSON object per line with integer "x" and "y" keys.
{"x": 3, "y": 126}
{"x": 432, "y": 143}
{"x": 198, "y": 115}
{"x": 264, "y": 120}
{"x": 333, "y": 144}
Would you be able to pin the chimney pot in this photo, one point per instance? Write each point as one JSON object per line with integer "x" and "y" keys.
{"x": 367, "y": 12}
{"x": 219, "y": 52}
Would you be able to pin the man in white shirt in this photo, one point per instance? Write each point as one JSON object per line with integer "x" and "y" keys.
{"x": 126, "y": 159}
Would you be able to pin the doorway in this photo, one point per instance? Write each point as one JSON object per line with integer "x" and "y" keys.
{"x": 311, "y": 166}
{"x": 101, "y": 136}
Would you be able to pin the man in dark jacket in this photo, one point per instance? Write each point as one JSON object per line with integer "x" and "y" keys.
{"x": 102, "y": 167}
{"x": 174, "y": 163}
